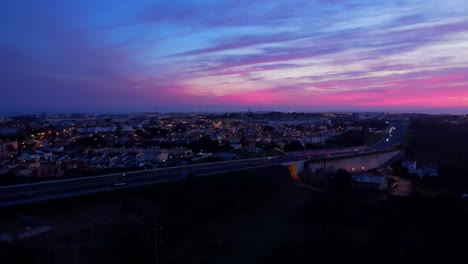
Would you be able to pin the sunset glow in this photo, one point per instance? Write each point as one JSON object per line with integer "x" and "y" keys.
{"x": 234, "y": 55}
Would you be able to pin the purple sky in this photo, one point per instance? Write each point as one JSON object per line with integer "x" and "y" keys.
{"x": 226, "y": 55}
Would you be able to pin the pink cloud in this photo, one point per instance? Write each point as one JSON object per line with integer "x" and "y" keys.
{"x": 261, "y": 97}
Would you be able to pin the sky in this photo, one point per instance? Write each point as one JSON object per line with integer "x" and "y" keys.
{"x": 231, "y": 55}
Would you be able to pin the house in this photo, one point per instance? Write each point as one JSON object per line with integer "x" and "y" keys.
{"x": 201, "y": 156}
{"x": 254, "y": 149}
{"x": 227, "y": 155}
{"x": 420, "y": 170}
{"x": 48, "y": 170}
{"x": 368, "y": 180}
{"x": 30, "y": 156}
{"x": 180, "y": 152}
{"x": 235, "y": 143}
{"x": 155, "y": 156}
{"x": 428, "y": 171}
{"x": 411, "y": 166}
{"x": 76, "y": 164}
{"x": 22, "y": 170}
{"x": 137, "y": 159}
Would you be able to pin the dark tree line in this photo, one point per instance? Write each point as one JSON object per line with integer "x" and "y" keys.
{"x": 443, "y": 142}
{"x": 347, "y": 139}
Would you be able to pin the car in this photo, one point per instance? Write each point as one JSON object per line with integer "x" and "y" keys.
{"x": 117, "y": 184}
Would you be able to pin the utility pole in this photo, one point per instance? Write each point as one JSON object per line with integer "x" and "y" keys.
{"x": 324, "y": 178}
{"x": 156, "y": 226}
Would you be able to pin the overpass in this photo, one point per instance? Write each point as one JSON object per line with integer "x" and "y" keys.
{"x": 354, "y": 159}
{"x": 356, "y": 162}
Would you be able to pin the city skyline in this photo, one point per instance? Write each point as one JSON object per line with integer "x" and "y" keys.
{"x": 181, "y": 56}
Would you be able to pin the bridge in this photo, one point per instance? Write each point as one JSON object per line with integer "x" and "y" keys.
{"x": 355, "y": 159}
{"x": 357, "y": 162}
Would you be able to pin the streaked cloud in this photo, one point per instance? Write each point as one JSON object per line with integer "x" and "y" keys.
{"x": 347, "y": 55}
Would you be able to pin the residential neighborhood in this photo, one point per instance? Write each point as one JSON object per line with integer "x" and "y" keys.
{"x": 71, "y": 145}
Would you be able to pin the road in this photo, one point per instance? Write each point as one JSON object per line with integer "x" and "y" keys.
{"x": 33, "y": 192}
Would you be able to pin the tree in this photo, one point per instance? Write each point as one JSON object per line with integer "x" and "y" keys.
{"x": 118, "y": 130}
{"x": 293, "y": 145}
{"x": 204, "y": 143}
{"x": 10, "y": 148}
{"x": 348, "y": 139}
{"x": 340, "y": 180}
{"x": 312, "y": 146}
{"x": 243, "y": 141}
{"x": 299, "y": 127}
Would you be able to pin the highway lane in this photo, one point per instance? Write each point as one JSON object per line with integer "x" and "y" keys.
{"x": 34, "y": 189}
{"x": 106, "y": 178}
{"x": 61, "y": 188}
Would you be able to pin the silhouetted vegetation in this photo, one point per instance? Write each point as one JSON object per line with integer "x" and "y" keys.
{"x": 268, "y": 128}
{"x": 206, "y": 144}
{"x": 90, "y": 141}
{"x": 293, "y": 146}
{"x": 313, "y": 146}
{"x": 340, "y": 180}
{"x": 376, "y": 124}
{"x": 246, "y": 217}
{"x": 347, "y": 139}
{"x": 441, "y": 141}
{"x": 128, "y": 235}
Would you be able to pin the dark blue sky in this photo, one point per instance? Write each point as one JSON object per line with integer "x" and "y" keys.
{"x": 233, "y": 55}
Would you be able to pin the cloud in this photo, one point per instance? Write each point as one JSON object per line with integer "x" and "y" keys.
{"x": 197, "y": 53}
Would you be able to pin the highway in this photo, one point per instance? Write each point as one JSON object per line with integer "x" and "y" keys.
{"x": 34, "y": 192}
